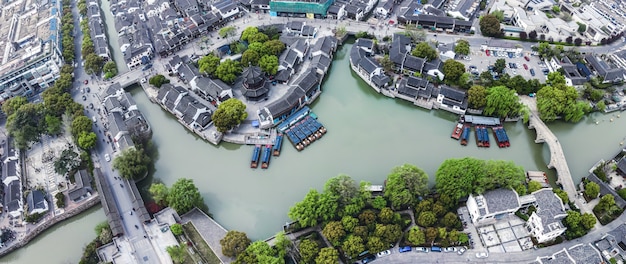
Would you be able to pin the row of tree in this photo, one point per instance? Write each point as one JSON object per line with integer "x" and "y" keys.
{"x": 237, "y": 245}
{"x": 182, "y": 196}
{"x": 94, "y": 64}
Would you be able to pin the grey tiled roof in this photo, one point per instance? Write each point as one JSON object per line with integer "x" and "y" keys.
{"x": 550, "y": 209}
{"x": 558, "y": 258}
{"x": 116, "y": 123}
{"x": 621, "y": 165}
{"x": 452, "y": 93}
{"x": 36, "y": 200}
{"x": 500, "y": 200}
{"x": 414, "y": 63}
{"x": 368, "y": 64}
{"x": 584, "y": 253}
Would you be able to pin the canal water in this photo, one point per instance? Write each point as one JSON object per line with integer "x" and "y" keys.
{"x": 368, "y": 134}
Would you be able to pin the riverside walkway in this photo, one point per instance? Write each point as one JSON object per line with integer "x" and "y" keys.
{"x": 557, "y": 156}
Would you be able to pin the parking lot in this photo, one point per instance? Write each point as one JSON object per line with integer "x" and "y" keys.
{"x": 481, "y": 61}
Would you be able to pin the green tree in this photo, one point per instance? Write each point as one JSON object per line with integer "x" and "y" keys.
{"x": 229, "y": 114}
{"x": 11, "y": 105}
{"x": 110, "y": 68}
{"x": 375, "y": 244}
{"x": 68, "y": 161}
{"x": 353, "y": 246}
{"x": 592, "y": 190}
{"x": 26, "y": 124}
{"x": 228, "y": 70}
{"x": 426, "y": 219}
{"x": 499, "y": 65}
{"x": 87, "y": 140}
{"x": 556, "y": 9}
{"x": 561, "y": 194}
{"x": 534, "y": 186}
{"x": 158, "y": 80}
{"x": 305, "y": 211}
{"x": 259, "y": 252}
{"x": 178, "y": 253}
{"x": 498, "y": 14}
{"x": 404, "y": 185}
{"x": 581, "y": 27}
{"x": 327, "y": 255}
{"x": 250, "y": 57}
{"x": 431, "y": 234}
{"x": 455, "y": 177}
{"x": 379, "y": 202}
{"x": 55, "y": 101}
{"x": 367, "y": 217}
{"x": 208, "y": 64}
{"x": 60, "y": 197}
{"x": 227, "y": 32}
{"x": 502, "y": 102}
{"x": 349, "y": 223}
{"x": 453, "y": 70}
{"x": 249, "y": 31}
{"x": 518, "y": 83}
{"x": 416, "y": 236}
{"x": 308, "y": 250}
{"x": 334, "y": 232}
{"x": 184, "y": 196}
{"x": 588, "y": 221}
{"x": 159, "y": 193}
{"x": 269, "y": 64}
{"x": 258, "y": 37}
{"x": 81, "y": 124}
{"x": 132, "y": 164}
{"x": 273, "y": 47}
{"x": 462, "y": 47}
{"x": 388, "y": 233}
{"x": 234, "y": 243}
{"x": 93, "y": 64}
{"x": 386, "y": 215}
{"x": 490, "y": 25}
{"x": 486, "y": 78}
{"x": 477, "y": 96}
{"x": 387, "y": 64}
{"x": 53, "y": 125}
{"x": 177, "y": 229}
{"x": 423, "y": 50}
{"x": 450, "y": 220}
{"x": 557, "y": 99}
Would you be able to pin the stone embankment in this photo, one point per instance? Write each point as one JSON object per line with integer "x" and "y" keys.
{"x": 43, "y": 226}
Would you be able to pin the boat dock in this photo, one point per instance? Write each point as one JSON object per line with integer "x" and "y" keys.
{"x": 254, "y": 163}
{"x": 456, "y": 132}
{"x": 302, "y": 128}
{"x": 481, "y": 120}
{"x": 538, "y": 176}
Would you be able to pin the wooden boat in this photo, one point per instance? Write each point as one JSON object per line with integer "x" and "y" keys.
{"x": 267, "y": 154}
{"x": 278, "y": 145}
{"x": 465, "y": 135}
{"x": 457, "y": 131}
{"x": 254, "y": 163}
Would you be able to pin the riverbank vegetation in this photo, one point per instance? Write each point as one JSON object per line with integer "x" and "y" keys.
{"x": 132, "y": 163}
{"x": 182, "y": 196}
{"x": 229, "y": 114}
{"x": 103, "y": 237}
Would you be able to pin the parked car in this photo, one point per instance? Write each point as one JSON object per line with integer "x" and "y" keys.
{"x": 107, "y": 157}
{"x": 482, "y": 255}
{"x": 487, "y": 52}
{"x": 526, "y": 58}
{"x": 532, "y": 72}
{"x": 84, "y": 98}
{"x": 404, "y": 249}
{"x": 435, "y": 249}
{"x": 525, "y": 66}
{"x": 461, "y": 250}
{"x": 383, "y": 253}
{"x": 147, "y": 67}
{"x": 143, "y": 80}
{"x": 368, "y": 259}
{"x": 87, "y": 89}
{"x": 86, "y": 81}
{"x": 421, "y": 249}
{"x": 449, "y": 249}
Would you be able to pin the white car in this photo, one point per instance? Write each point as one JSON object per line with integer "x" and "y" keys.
{"x": 482, "y": 255}
{"x": 107, "y": 157}
{"x": 143, "y": 80}
{"x": 461, "y": 250}
{"x": 449, "y": 249}
{"x": 383, "y": 253}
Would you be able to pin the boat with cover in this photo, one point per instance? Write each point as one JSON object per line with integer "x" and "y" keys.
{"x": 267, "y": 154}
{"x": 254, "y": 163}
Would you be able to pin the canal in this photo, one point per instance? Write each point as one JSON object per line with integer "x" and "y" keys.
{"x": 368, "y": 134}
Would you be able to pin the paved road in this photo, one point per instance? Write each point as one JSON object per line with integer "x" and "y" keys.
{"x": 133, "y": 228}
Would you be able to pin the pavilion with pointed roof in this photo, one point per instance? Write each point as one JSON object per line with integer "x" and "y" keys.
{"x": 255, "y": 86}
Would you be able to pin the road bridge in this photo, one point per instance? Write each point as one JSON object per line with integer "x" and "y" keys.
{"x": 557, "y": 156}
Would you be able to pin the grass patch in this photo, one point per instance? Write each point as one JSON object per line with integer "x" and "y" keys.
{"x": 200, "y": 246}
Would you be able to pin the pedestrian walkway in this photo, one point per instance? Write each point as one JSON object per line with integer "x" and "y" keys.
{"x": 557, "y": 156}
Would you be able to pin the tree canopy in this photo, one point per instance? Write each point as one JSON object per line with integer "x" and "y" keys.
{"x": 327, "y": 255}
{"x": 457, "y": 178}
{"x": 424, "y": 50}
{"x": 234, "y": 243}
{"x": 269, "y": 64}
{"x": 462, "y": 47}
{"x": 558, "y": 99}
{"x": 132, "y": 163}
{"x": 208, "y": 64}
{"x": 502, "y": 102}
{"x": 159, "y": 193}
{"x": 158, "y": 80}
{"x": 477, "y": 96}
{"x": 26, "y": 124}
{"x": 227, "y": 32}
{"x": 490, "y": 25}
{"x": 404, "y": 185}
{"x": 453, "y": 70}
{"x": 229, "y": 114}
{"x": 184, "y": 196}
{"x": 228, "y": 70}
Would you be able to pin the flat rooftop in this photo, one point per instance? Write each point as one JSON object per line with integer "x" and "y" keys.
{"x": 23, "y": 25}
